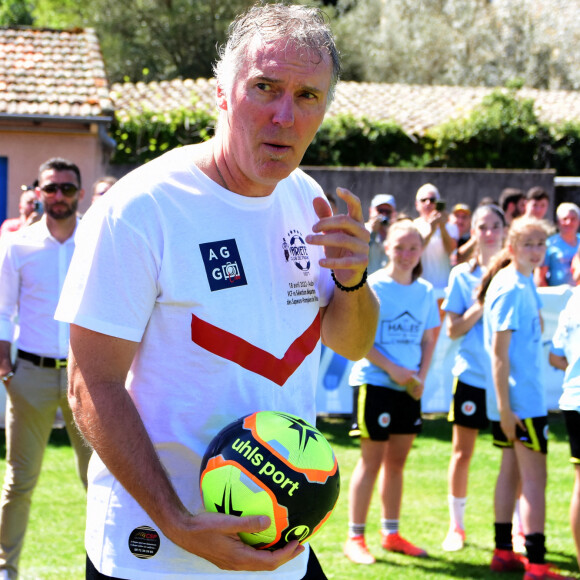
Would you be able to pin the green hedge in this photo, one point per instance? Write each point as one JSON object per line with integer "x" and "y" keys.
{"x": 503, "y": 132}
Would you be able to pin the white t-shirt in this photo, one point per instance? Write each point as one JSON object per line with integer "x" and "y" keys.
{"x": 434, "y": 259}
{"x": 223, "y": 295}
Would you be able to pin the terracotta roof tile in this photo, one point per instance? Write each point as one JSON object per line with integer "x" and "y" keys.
{"x": 52, "y": 72}
{"x": 415, "y": 108}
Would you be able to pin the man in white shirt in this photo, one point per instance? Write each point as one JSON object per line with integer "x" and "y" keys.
{"x": 439, "y": 236}
{"x": 199, "y": 292}
{"x": 33, "y": 265}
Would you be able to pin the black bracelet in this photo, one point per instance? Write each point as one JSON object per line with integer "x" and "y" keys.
{"x": 350, "y": 288}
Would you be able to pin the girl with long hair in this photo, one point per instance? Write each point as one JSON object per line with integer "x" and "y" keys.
{"x": 464, "y": 323}
{"x": 517, "y": 403}
{"x": 388, "y": 385}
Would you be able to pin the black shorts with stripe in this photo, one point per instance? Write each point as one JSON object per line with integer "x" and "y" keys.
{"x": 534, "y": 437}
{"x": 572, "y": 419}
{"x": 468, "y": 406}
{"x": 379, "y": 412}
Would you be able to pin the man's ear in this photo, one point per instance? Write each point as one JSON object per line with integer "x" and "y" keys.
{"x": 221, "y": 99}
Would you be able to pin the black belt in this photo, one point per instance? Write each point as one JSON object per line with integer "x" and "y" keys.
{"x": 43, "y": 361}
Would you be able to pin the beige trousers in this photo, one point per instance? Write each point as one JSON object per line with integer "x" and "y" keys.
{"x": 33, "y": 397}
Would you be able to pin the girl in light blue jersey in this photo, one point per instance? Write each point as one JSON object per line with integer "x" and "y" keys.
{"x": 464, "y": 323}
{"x": 388, "y": 385}
{"x": 517, "y": 405}
{"x": 565, "y": 355}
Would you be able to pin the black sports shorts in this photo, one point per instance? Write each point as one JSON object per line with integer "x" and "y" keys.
{"x": 535, "y": 437}
{"x": 468, "y": 406}
{"x": 379, "y": 412}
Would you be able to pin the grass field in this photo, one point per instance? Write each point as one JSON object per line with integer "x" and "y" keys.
{"x": 54, "y": 543}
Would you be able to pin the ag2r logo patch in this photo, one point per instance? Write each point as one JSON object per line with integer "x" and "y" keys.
{"x": 223, "y": 264}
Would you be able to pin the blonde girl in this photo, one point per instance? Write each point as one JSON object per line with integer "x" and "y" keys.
{"x": 464, "y": 323}
{"x": 516, "y": 405}
{"x": 388, "y": 387}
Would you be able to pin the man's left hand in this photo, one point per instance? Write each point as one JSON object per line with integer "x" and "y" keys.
{"x": 344, "y": 237}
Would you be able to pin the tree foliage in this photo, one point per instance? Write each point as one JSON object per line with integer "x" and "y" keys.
{"x": 166, "y": 38}
{"x": 15, "y": 13}
{"x": 461, "y": 42}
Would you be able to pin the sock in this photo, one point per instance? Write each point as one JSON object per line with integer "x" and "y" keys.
{"x": 356, "y": 529}
{"x": 457, "y": 511}
{"x": 503, "y": 536}
{"x": 516, "y": 520}
{"x": 536, "y": 548}
{"x": 389, "y": 526}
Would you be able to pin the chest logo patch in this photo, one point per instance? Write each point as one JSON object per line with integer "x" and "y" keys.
{"x": 223, "y": 265}
{"x": 296, "y": 251}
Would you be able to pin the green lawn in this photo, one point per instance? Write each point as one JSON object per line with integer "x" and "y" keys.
{"x": 54, "y": 543}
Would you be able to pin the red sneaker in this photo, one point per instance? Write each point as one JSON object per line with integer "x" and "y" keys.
{"x": 507, "y": 560}
{"x": 396, "y": 543}
{"x": 355, "y": 549}
{"x": 542, "y": 572}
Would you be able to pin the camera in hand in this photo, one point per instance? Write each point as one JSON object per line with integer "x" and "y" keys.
{"x": 385, "y": 220}
{"x": 440, "y": 205}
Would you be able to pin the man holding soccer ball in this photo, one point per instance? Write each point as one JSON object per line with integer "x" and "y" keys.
{"x": 200, "y": 292}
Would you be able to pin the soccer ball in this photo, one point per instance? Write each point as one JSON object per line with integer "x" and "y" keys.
{"x": 273, "y": 464}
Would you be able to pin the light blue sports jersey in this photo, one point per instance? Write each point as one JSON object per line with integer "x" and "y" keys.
{"x": 512, "y": 303}
{"x": 566, "y": 342}
{"x": 558, "y": 258}
{"x": 406, "y": 311}
{"x": 471, "y": 361}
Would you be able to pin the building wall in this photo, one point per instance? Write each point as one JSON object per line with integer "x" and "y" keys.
{"x": 27, "y": 147}
{"x": 455, "y": 185}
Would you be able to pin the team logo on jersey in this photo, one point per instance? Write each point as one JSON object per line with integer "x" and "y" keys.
{"x": 468, "y": 408}
{"x": 384, "y": 420}
{"x": 144, "y": 542}
{"x": 404, "y": 329}
{"x": 223, "y": 264}
{"x": 296, "y": 251}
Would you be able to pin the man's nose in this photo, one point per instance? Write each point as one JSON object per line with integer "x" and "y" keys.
{"x": 284, "y": 113}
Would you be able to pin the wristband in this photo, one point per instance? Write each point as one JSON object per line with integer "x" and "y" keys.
{"x": 350, "y": 288}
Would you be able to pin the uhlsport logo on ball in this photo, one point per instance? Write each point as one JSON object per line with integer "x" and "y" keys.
{"x": 274, "y": 464}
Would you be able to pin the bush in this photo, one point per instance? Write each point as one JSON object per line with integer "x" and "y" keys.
{"x": 503, "y": 132}
{"x": 143, "y": 135}
{"x": 349, "y": 142}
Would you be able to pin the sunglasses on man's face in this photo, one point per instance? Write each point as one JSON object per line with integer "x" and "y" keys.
{"x": 67, "y": 189}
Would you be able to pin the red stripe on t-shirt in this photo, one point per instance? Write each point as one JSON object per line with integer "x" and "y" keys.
{"x": 231, "y": 347}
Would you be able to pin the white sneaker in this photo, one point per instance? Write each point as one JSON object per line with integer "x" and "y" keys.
{"x": 454, "y": 541}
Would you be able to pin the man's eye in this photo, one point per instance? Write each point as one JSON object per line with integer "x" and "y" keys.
{"x": 264, "y": 86}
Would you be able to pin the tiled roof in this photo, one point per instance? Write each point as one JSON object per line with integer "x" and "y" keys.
{"x": 414, "y": 107}
{"x": 52, "y": 72}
